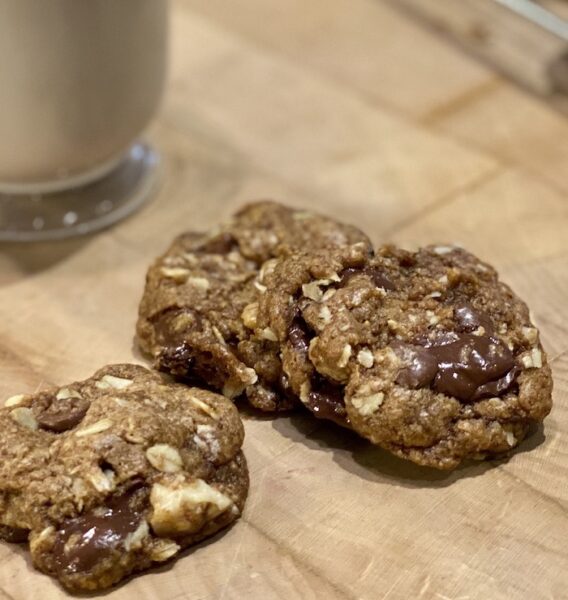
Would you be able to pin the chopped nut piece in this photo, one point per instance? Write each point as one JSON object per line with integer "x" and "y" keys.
{"x": 268, "y": 334}
{"x": 328, "y": 294}
{"x": 250, "y": 376}
{"x": 511, "y": 439}
{"x": 393, "y": 325}
{"x": 164, "y": 458}
{"x": 95, "y": 428}
{"x": 232, "y": 389}
{"x": 15, "y": 400}
{"x": 163, "y": 550}
{"x": 261, "y": 288}
{"x": 312, "y": 291}
{"x": 110, "y": 381}
{"x": 178, "y": 274}
{"x": 102, "y": 481}
{"x": 444, "y": 249}
{"x": 267, "y": 268}
{"x": 218, "y": 335}
{"x": 367, "y": 405}
{"x": 532, "y": 359}
{"x": 325, "y": 314}
{"x": 250, "y": 314}
{"x": 345, "y": 356}
{"x": 65, "y": 393}
{"x": 536, "y": 358}
{"x": 38, "y": 540}
{"x": 182, "y": 508}
{"x": 208, "y": 410}
{"x": 134, "y": 540}
{"x": 199, "y": 282}
{"x": 365, "y": 358}
{"x": 530, "y": 334}
{"x": 25, "y": 417}
{"x": 305, "y": 390}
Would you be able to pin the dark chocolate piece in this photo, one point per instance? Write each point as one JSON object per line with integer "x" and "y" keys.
{"x": 84, "y": 541}
{"x": 470, "y": 319}
{"x": 422, "y": 368}
{"x": 470, "y": 367}
{"x": 378, "y": 276}
{"x": 298, "y": 335}
{"x": 326, "y": 401}
{"x": 63, "y": 414}
{"x": 221, "y": 244}
{"x": 14, "y": 535}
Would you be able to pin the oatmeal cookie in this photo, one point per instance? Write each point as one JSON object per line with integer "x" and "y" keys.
{"x": 197, "y": 317}
{"x": 107, "y": 476}
{"x": 426, "y": 354}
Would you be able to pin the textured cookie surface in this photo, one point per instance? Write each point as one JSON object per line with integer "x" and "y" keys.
{"x": 426, "y": 354}
{"x": 198, "y": 313}
{"x": 106, "y": 476}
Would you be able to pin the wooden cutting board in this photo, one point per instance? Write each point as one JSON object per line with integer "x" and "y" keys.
{"x": 351, "y": 108}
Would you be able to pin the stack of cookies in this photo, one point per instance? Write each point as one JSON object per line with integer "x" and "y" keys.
{"x": 426, "y": 354}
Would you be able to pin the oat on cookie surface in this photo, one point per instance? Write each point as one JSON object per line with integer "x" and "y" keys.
{"x": 110, "y": 475}
{"x": 198, "y": 313}
{"x": 426, "y": 354}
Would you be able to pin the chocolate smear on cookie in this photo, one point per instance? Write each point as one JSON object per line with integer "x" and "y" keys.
{"x": 466, "y": 366}
{"x": 88, "y": 539}
{"x": 325, "y": 400}
{"x": 63, "y": 414}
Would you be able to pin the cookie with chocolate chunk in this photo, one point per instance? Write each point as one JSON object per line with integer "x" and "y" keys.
{"x": 197, "y": 317}
{"x": 426, "y": 354}
{"x": 107, "y": 476}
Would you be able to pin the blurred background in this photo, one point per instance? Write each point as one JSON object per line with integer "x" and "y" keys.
{"x": 413, "y": 119}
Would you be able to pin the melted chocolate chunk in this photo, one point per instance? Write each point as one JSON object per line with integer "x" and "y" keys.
{"x": 85, "y": 541}
{"x": 14, "y": 535}
{"x": 422, "y": 367}
{"x": 62, "y": 415}
{"x": 326, "y": 401}
{"x": 347, "y": 274}
{"x": 498, "y": 387}
{"x": 468, "y": 367}
{"x": 298, "y": 335}
{"x": 379, "y": 277}
{"x": 469, "y": 363}
{"x": 469, "y": 319}
{"x": 177, "y": 359}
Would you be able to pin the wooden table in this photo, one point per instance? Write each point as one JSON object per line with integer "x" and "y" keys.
{"x": 354, "y": 109}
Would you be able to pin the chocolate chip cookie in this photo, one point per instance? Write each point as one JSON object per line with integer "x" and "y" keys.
{"x": 197, "y": 317}
{"x": 107, "y": 476}
{"x": 426, "y": 354}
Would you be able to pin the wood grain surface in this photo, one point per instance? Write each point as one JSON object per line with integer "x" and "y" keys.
{"x": 352, "y": 108}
